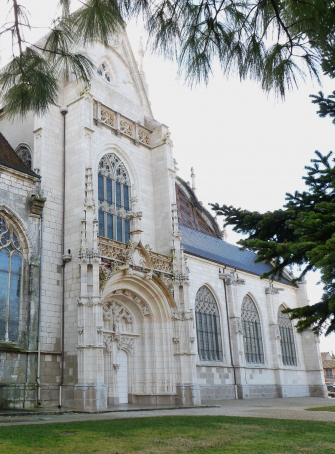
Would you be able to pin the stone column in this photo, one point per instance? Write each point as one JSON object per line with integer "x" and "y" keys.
{"x": 90, "y": 393}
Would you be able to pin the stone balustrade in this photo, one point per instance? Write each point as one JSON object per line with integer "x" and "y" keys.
{"x": 103, "y": 115}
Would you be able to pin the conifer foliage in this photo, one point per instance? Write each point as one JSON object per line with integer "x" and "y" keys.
{"x": 302, "y": 233}
{"x": 274, "y": 42}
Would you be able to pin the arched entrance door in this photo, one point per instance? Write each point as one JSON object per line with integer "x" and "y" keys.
{"x": 122, "y": 377}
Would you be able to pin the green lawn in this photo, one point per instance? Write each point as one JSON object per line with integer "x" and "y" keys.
{"x": 321, "y": 408}
{"x": 170, "y": 435}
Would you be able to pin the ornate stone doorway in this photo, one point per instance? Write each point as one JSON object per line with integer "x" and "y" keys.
{"x": 122, "y": 377}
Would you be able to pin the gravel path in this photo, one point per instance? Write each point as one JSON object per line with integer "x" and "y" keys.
{"x": 290, "y": 408}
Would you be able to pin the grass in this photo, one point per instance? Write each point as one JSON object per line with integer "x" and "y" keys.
{"x": 172, "y": 435}
{"x": 321, "y": 408}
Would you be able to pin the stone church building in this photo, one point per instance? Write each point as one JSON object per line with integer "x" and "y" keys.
{"x": 116, "y": 285}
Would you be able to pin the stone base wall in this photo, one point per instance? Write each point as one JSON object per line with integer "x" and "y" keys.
{"x": 18, "y": 387}
{"x": 152, "y": 399}
{"x": 18, "y": 395}
{"x": 216, "y": 392}
{"x": 258, "y": 391}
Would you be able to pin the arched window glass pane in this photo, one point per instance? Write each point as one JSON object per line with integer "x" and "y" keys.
{"x": 100, "y": 187}
{"x": 14, "y": 297}
{"x": 119, "y": 229}
{"x": 109, "y": 225}
{"x": 118, "y": 194}
{"x": 109, "y": 190}
{"x": 10, "y": 279}
{"x": 126, "y": 231}
{"x": 113, "y": 198}
{"x": 208, "y": 326}
{"x": 126, "y": 197}
{"x": 252, "y": 335}
{"x": 286, "y": 338}
{"x": 104, "y": 71}
{"x": 4, "y": 267}
{"x": 101, "y": 223}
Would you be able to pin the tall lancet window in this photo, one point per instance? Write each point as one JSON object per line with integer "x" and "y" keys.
{"x": 208, "y": 326}
{"x": 286, "y": 338}
{"x": 10, "y": 282}
{"x": 114, "y": 198}
{"x": 252, "y": 334}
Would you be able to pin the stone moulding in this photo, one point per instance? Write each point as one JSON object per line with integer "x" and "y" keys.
{"x": 121, "y": 125}
{"x": 118, "y": 256}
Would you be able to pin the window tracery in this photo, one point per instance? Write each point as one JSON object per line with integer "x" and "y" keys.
{"x": 208, "y": 326}
{"x": 252, "y": 335}
{"x": 104, "y": 71}
{"x": 10, "y": 282}
{"x": 286, "y": 338}
{"x": 114, "y": 198}
{"x": 24, "y": 154}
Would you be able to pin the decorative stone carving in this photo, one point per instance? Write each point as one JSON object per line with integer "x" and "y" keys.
{"x": 145, "y": 310}
{"x": 126, "y": 342}
{"x": 99, "y": 329}
{"x": 107, "y": 117}
{"x": 138, "y": 259}
{"x": 36, "y": 204}
{"x": 111, "y": 165}
{"x": 276, "y": 330}
{"x": 161, "y": 263}
{"x": 205, "y": 302}
{"x": 127, "y": 293}
{"x": 108, "y": 342}
{"x": 238, "y": 325}
{"x": 249, "y": 311}
{"x": 181, "y": 278}
{"x": 137, "y": 300}
{"x": 284, "y": 319}
{"x": 113, "y": 310}
{"x": 175, "y": 340}
{"x": 143, "y": 136}
{"x": 126, "y": 127}
{"x": 182, "y": 316}
{"x": 192, "y": 340}
{"x": 80, "y": 330}
{"x": 116, "y": 367}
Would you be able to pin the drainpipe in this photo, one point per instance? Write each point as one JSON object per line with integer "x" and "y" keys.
{"x": 63, "y": 111}
{"x": 38, "y": 378}
{"x": 224, "y": 276}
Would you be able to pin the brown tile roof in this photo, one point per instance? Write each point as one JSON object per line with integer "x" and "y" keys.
{"x": 10, "y": 159}
{"x": 328, "y": 364}
{"x": 324, "y": 355}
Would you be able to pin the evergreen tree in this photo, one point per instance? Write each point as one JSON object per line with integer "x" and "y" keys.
{"x": 271, "y": 41}
{"x": 302, "y": 233}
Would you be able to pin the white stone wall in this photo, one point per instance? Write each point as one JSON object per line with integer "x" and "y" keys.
{"x": 255, "y": 380}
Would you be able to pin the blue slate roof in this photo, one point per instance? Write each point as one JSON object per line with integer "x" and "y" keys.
{"x": 215, "y": 249}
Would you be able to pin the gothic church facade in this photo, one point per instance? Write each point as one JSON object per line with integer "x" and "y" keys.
{"x": 116, "y": 285}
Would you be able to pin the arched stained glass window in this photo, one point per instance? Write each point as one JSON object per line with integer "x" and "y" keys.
{"x": 208, "y": 326}
{"x": 114, "y": 198}
{"x": 286, "y": 338}
{"x": 24, "y": 153}
{"x": 104, "y": 71}
{"x": 252, "y": 335}
{"x": 10, "y": 282}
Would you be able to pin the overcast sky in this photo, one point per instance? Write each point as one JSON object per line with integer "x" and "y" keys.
{"x": 247, "y": 149}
